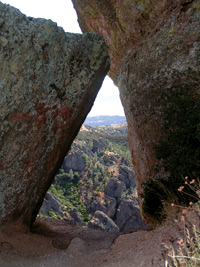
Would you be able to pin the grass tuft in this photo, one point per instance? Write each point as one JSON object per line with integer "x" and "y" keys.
{"x": 186, "y": 251}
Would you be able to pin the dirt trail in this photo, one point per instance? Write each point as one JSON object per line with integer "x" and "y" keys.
{"x": 64, "y": 245}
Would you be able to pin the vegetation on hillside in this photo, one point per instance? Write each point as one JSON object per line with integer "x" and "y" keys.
{"x": 104, "y": 120}
{"x": 75, "y": 189}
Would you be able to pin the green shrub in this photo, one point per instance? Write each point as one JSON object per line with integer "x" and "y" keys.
{"x": 186, "y": 250}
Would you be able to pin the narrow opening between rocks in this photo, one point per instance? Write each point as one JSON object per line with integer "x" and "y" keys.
{"x": 96, "y": 184}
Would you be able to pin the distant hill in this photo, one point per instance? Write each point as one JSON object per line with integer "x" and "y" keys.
{"x": 104, "y": 120}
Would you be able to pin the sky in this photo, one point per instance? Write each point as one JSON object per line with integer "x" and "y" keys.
{"x": 63, "y": 13}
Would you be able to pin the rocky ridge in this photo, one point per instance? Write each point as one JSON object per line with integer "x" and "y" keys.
{"x": 104, "y": 120}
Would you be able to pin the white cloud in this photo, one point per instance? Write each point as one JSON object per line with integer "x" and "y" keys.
{"x": 108, "y": 89}
{"x": 107, "y": 106}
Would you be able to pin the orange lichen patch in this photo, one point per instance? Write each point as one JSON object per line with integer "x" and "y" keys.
{"x": 61, "y": 119}
{"x": 45, "y": 55}
{"x": 19, "y": 116}
{"x": 41, "y": 115}
{"x": 27, "y": 163}
{"x": 66, "y": 113}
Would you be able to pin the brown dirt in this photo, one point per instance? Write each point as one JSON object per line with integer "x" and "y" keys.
{"x": 57, "y": 243}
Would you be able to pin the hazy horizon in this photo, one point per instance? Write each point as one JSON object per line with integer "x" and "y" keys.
{"x": 106, "y": 116}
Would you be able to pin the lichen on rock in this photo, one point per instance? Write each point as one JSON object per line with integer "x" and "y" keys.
{"x": 48, "y": 82}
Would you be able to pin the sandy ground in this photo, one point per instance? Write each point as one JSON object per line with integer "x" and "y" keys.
{"x": 59, "y": 244}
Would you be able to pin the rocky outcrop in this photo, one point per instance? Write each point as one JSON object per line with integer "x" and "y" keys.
{"x": 154, "y": 48}
{"x": 122, "y": 23}
{"x": 75, "y": 217}
{"x": 98, "y": 145}
{"x": 115, "y": 188}
{"x": 128, "y": 215}
{"x": 102, "y": 222}
{"x": 51, "y": 203}
{"x": 105, "y": 204}
{"x": 48, "y": 82}
{"x": 127, "y": 176}
{"x": 74, "y": 161}
{"x": 117, "y": 205}
{"x": 124, "y": 212}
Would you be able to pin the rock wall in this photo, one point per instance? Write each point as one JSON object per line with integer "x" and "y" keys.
{"x": 48, "y": 82}
{"x": 154, "y": 47}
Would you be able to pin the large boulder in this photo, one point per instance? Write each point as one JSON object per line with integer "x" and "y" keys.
{"x": 105, "y": 204}
{"x": 115, "y": 188}
{"x": 111, "y": 205}
{"x": 102, "y": 222}
{"x": 128, "y": 215}
{"x": 46, "y": 206}
{"x": 154, "y": 47}
{"x": 98, "y": 145}
{"x": 75, "y": 217}
{"x": 96, "y": 204}
{"x": 122, "y": 23}
{"x": 127, "y": 175}
{"x": 74, "y": 161}
{"x": 48, "y": 82}
{"x": 51, "y": 203}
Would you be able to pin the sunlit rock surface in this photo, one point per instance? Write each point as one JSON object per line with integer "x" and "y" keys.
{"x": 48, "y": 82}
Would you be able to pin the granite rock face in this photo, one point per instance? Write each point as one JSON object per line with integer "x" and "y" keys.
{"x": 122, "y": 23}
{"x": 115, "y": 188}
{"x": 74, "y": 161}
{"x": 51, "y": 203}
{"x": 102, "y": 222}
{"x": 127, "y": 176}
{"x": 128, "y": 215}
{"x": 48, "y": 82}
{"x": 107, "y": 205}
{"x": 75, "y": 217}
{"x": 154, "y": 47}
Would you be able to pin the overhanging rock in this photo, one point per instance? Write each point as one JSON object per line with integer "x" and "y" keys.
{"x": 154, "y": 47}
{"x": 48, "y": 82}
